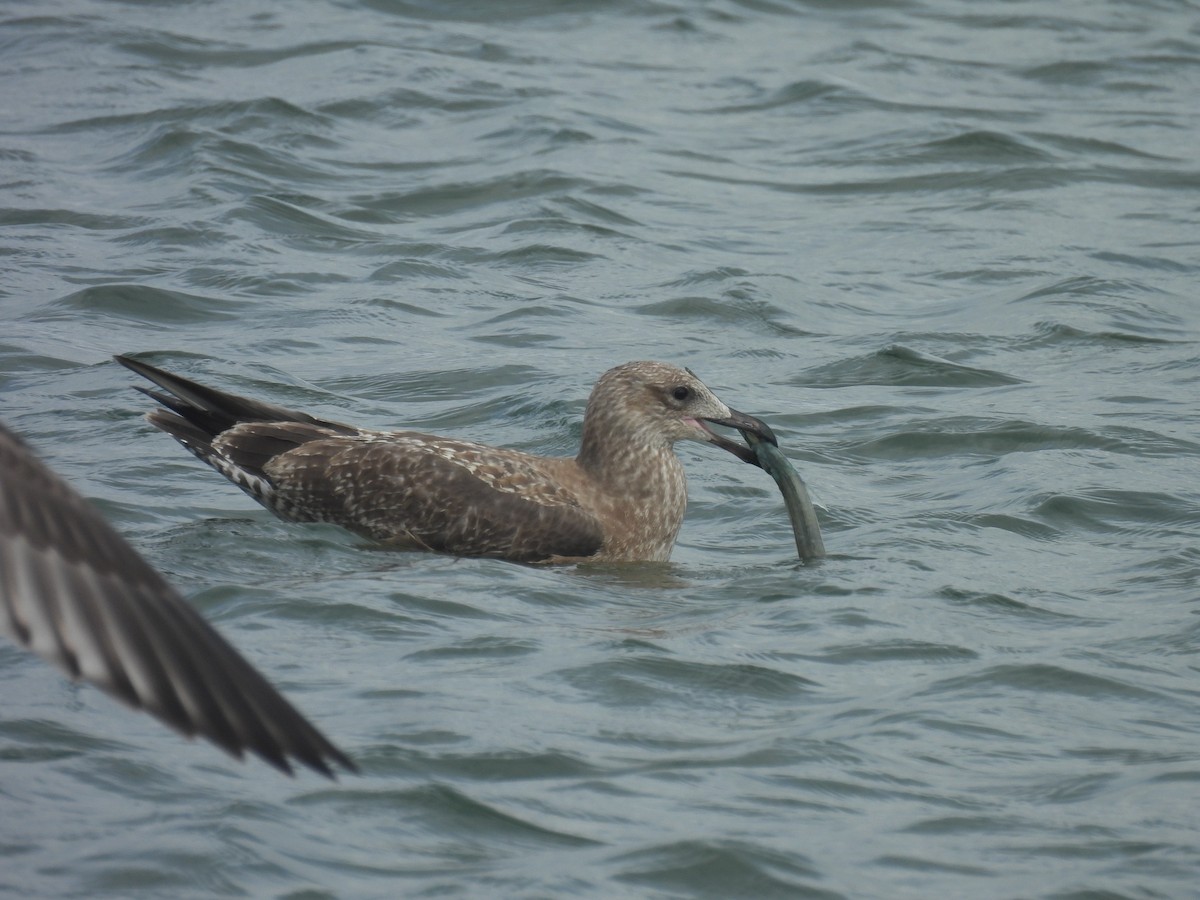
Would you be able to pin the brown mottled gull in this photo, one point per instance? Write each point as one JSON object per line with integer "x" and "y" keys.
{"x": 622, "y": 498}
{"x": 73, "y": 591}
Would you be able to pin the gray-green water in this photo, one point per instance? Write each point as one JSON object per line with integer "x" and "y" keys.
{"x": 948, "y": 250}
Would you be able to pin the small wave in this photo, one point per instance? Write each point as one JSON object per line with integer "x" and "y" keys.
{"x": 968, "y": 436}
{"x": 978, "y": 146}
{"x": 1043, "y": 678}
{"x": 721, "y": 868}
{"x": 900, "y": 365}
{"x": 447, "y": 811}
{"x": 892, "y": 651}
{"x": 655, "y": 680}
{"x": 1117, "y": 511}
{"x": 145, "y": 304}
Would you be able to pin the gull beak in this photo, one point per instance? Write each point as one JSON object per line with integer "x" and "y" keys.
{"x": 742, "y": 422}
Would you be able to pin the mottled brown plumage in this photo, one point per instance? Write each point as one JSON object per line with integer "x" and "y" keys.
{"x": 622, "y": 498}
{"x": 73, "y": 591}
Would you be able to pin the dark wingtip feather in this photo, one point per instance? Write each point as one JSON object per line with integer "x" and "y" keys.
{"x": 212, "y": 409}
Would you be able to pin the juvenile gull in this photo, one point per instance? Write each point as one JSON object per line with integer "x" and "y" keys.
{"x": 73, "y": 591}
{"x": 622, "y": 498}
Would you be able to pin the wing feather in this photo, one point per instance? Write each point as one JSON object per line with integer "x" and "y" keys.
{"x": 439, "y": 494}
{"x": 73, "y": 591}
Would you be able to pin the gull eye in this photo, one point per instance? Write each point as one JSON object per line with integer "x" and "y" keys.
{"x": 681, "y": 393}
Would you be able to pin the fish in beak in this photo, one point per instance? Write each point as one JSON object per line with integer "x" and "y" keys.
{"x": 741, "y": 422}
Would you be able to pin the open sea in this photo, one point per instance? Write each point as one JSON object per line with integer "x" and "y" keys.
{"x": 950, "y": 251}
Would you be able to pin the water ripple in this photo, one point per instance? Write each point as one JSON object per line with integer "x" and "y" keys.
{"x": 947, "y": 251}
